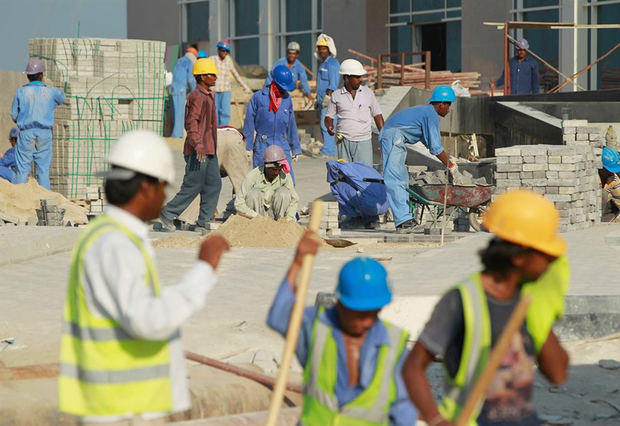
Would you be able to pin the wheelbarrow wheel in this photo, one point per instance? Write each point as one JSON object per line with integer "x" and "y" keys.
{"x": 475, "y": 217}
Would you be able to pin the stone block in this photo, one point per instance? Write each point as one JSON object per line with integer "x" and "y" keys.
{"x": 502, "y": 160}
{"x": 563, "y": 167}
{"x": 515, "y": 159}
{"x": 501, "y": 176}
{"x": 552, "y": 175}
{"x": 509, "y": 183}
{"x": 569, "y": 130}
{"x": 563, "y": 182}
{"x": 507, "y": 151}
{"x": 514, "y": 175}
{"x": 534, "y": 167}
{"x": 529, "y": 159}
{"x": 509, "y": 168}
{"x": 526, "y": 175}
{"x": 541, "y": 174}
{"x": 541, "y": 159}
{"x": 534, "y": 149}
{"x": 581, "y": 137}
{"x": 574, "y": 123}
{"x": 558, "y": 197}
{"x": 568, "y": 137}
{"x": 552, "y": 190}
{"x": 565, "y": 175}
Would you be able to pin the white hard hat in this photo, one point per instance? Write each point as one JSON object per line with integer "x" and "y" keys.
{"x": 293, "y": 45}
{"x": 143, "y": 152}
{"x": 352, "y": 67}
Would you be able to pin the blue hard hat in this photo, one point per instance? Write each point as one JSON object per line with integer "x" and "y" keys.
{"x": 13, "y": 133}
{"x": 202, "y": 54}
{"x": 442, "y": 94}
{"x": 611, "y": 160}
{"x": 224, "y": 44}
{"x": 363, "y": 285}
{"x": 283, "y": 77}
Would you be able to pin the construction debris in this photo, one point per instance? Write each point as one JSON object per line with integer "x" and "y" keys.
{"x": 19, "y": 204}
{"x": 439, "y": 177}
{"x": 50, "y": 214}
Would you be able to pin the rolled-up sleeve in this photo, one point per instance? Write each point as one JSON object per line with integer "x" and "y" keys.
{"x": 279, "y": 316}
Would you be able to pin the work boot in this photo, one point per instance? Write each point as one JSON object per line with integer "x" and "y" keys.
{"x": 406, "y": 227}
{"x": 167, "y": 225}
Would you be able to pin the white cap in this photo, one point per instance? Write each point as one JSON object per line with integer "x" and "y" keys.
{"x": 143, "y": 152}
{"x": 293, "y": 45}
{"x": 352, "y": 67}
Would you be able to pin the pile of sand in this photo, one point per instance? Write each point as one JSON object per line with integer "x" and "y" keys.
{"x": 242, "y": 232}
{"x": 20, "y": 202}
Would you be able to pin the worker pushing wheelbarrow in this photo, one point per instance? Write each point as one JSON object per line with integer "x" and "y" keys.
{"x": 468, "y": 199}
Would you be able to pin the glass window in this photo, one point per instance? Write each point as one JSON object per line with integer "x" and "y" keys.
{"x": 428, "y": 4}
{"x": 246, "y": 17}
{"x": 399, "y": 6}
{"x": 543, "y": 42}
{"x": 453, "y": 46}
{"x": 198, "y": 21}
{"x": 608, "y": 70}
{"x": 246, "y": 51}
{"x": 539, "y": 3}
{"x": 400, "y": 37}
{"x": 298, "y": 15}
{"x": 319, "y": 11}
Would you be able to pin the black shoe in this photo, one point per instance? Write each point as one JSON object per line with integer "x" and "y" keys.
{"x": 406, "y": 227}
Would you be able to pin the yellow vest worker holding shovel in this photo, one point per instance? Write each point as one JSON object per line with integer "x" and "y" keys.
{"x": 121, "y": 354}
{"x": 352, "y": 360}
{"x": 525, "y": 257}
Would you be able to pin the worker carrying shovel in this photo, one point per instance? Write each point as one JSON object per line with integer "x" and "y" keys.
{"x": 525, "y": 257}
{"x": 352, "y": 360}
{"x": 121, "y": 356}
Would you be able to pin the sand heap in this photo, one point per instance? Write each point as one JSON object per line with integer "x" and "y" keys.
{"x": 242, "y": 232}
{"x": 18, "y": 203}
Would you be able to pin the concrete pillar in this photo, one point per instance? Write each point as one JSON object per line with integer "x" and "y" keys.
{"x": 573, "y": 42}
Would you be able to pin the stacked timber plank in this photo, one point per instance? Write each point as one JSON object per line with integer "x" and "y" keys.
{"x": 112, "y": 86}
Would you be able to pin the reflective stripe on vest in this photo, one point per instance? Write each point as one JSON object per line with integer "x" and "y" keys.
{"x": 476, "y": 347}
{"x": 104, "y": 370}
{"x": 372, "y": 406}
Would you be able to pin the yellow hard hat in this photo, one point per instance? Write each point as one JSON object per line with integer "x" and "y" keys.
{"x": 204, "y": 66}
{"x": 526, "y": 218}
{"x": 322, "y": 41}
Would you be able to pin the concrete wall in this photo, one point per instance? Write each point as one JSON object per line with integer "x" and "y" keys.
{"x": 11, "y": 81}
{"x": 482, "y": 46}
{"x": 153, "y": 20}
{"x": 357, "y": 25}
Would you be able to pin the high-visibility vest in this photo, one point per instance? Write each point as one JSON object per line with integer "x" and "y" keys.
{"x": 547, "y": 305}
{"x": 372, "y": 406}
{"x": 104, "y": 370}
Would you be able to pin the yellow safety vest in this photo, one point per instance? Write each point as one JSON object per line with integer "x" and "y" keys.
{"x": 372, "y": 406}
{"x": 105, "y": 371}
{"x": 547, "y": 305}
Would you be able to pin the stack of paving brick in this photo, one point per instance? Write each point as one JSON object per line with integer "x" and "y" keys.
{"x": 565, "y": 174}
{"x": 112, "y": 86}
{"x": 329, "y": 221}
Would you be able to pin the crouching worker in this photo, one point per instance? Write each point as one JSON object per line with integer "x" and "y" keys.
{"x": 7, "y": 160}
{"x": 526, "y": 256}
{"x": 352, "y": 360}
{"x": 268, "y": 190}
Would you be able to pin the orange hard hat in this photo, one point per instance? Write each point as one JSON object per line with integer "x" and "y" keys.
{"x": 526, "y": 218}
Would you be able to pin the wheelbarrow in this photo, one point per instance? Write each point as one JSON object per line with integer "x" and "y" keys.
{"x": 471, "y": 200}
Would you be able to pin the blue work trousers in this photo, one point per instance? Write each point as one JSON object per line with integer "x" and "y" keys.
{"x": 329, "y": 142}
{"x": 33, "y": 144}
{"x": 222, "y": 104}
{"x": 7, "y": 173}
{"x": 395, "y": 174}
{"x": 352, "y": 151}
{"x": 179, "y": 96}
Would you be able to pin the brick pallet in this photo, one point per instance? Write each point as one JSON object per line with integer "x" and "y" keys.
{"x": 112, "y": 86}
{"x": 565, "y": 174}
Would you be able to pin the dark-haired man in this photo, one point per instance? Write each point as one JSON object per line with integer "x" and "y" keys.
{"x": 121, "y": 353}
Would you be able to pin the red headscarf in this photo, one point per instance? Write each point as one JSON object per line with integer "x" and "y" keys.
{"x": 275, "y": 98}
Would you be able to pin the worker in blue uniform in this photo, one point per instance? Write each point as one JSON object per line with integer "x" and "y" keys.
{"x": 270, "y": 119}
{"x": 33, "y": 110}
{"x": 183, "y": 82}
{"x": 7, "y": 160}
{"x": 326, "y": 82}
{"x": 523, "y": 72}
{"x": 296, "y": 67}
{"x": 410, "y": 125}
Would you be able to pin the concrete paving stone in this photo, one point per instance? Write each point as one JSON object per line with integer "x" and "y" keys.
{"x": 508, "y": 167}
{"x": 563, "y": 167}
{"x": 569, "y": 130}
{"x": 500, "y": 152}
{"x": 581, "y": 137}
{"x": 570, "y": 137}
{"x": 513, "y": 159}
{"x": 574, "y": 123}
{"x": 529, "y": 159}
{"x": 526, "y": 175}
{"x": 534, "y": 167}
{"x": 558, "y": 197}
{"x": 552, "y": 174}
{"x": 539, "y": 174}
{"x": 502, "y": 160}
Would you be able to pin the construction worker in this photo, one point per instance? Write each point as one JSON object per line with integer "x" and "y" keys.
{"x": 526, "y": 256}
{"x": 268, "y": 190}
{"x": 7, "y": 160}
{"x": 355, "y": 106}
{"x": 410, "y": 125}
{"x": 183, "y": 82}
{"x": 296, "y": 67}
{"x": 611, "y": 181}
{"x": 523, "y": 72}
{"x": 326, "y": 82}
{"x": 33, "y": 110}
{"x": 352, "y": 360}
{"x": 202, "y": 171}
{"x": 270, "y": 119}
{"x": 223, "y": 88}
{"x": 121, "y": 357}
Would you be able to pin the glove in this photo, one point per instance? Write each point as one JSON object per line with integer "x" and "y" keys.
{"x": 325, "y": 102}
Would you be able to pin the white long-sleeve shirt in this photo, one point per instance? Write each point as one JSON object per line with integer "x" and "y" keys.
{"x": 114, "y": 287}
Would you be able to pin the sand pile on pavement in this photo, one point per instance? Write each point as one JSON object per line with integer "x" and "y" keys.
{"x": 18, "y": 203}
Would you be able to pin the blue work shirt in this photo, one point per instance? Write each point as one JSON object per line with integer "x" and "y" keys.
{"x": 402, "y": 412}
{"x": 182, "y": 76}
{"x": 271, "y": 128}
{"x": 8, "y": 159}
{"x": 418, "y": 123}
{"x": 34, "y": 104}
{"x": 523, "y": 76}
{"x": 327, "y": 77}
{"x": 298, "y": 71}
